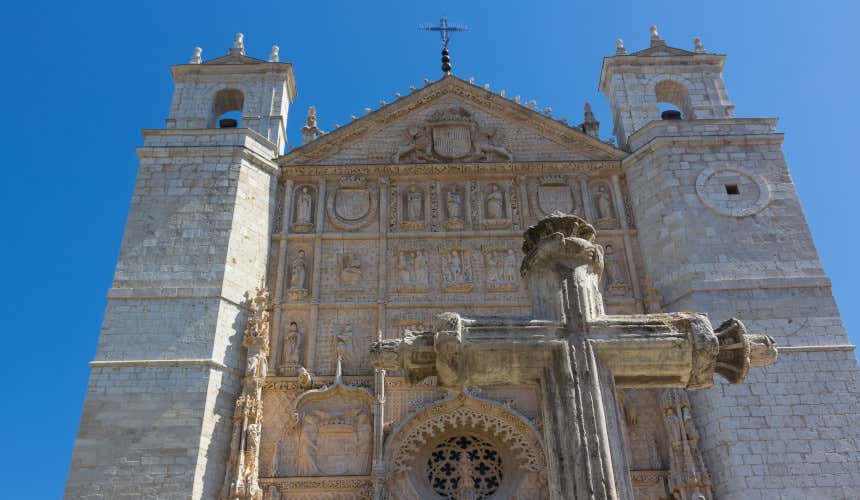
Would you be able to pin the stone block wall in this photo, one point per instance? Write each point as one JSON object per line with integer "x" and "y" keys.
{"x": 790, "y": 431}
{"x": 157, "y": 415}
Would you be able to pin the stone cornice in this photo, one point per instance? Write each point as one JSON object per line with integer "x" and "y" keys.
{"x": 254, "y": 147}
{"x": 458, "y": 169}
{"x": 194, "y": 72}
{"x": 319, "y": 149}
{"x": 156, "y": 363}
{"x": 706, "y": 140}
{"x": 691, "y": 124}
{"x": 668, "y": 64}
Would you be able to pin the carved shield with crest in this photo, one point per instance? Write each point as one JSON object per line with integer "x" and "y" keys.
{"x": 452, "y": 140}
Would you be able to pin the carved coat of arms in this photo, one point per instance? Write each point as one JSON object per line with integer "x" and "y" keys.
{"x": 450, "y": 134}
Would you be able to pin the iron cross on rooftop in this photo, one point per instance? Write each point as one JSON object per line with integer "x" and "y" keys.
{"x": 444, "y": 29}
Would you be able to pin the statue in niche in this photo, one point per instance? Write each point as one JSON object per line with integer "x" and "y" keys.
{"x": 350, "y": 272}
{"x": 363, "y": 433}
{"x": 454, "y": 202}
{"x": 343, "y": 342}
{"x": 510, "y": 268}
{"x": 614, "y": 271}
{"x": 298, "y": 272}
{"x": 306, "y": 459}
{"x": 493, "y": 275}
{"x": 404, "y": 265}
{"x": 414, "y": 204}
{"x": 495, "y": 203}
{"x": 304, "y": 206}
{"x": 420, "y": 269}
{"x": 454, "y": 269}
{"x": 603, "y": 203}
{"x": 256, "y": 365}
{"x": 292, "y": 341}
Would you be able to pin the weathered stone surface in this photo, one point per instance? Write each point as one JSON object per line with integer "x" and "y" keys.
{"x": 399, "y": 328}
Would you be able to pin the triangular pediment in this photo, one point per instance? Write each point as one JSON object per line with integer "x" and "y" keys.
{"x": 662, "y": 51}
{"x": 450, "y": 121}
{"x": 235, "y": 59}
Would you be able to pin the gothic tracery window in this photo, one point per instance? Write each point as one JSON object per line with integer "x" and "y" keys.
{"x": 467, "y": 460}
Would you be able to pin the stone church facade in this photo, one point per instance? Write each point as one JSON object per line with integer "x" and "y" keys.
{"x": 459, "y": 296}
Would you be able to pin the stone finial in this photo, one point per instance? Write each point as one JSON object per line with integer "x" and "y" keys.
{"x": 517, "y": 99}
{"x": 412, "y": 88}
{"x": 532, "y": 104}
{"x": 655, "y": 37}
{"x": 590, "y": 125}
{"x": 502, "y": 93}
{"x": 353, "y": 117}
{"x": 274, "y": 57}
{"x": 698, "y": 48}
{"x": 310, "y": 131}
{"x": 238, "y": 47}
{"x": 397, "y": 95}
{"x": 426, "y": 81}
{"x": 197, "y": 57}
{"x": 487, "y": 87}
{"x": 619, "y": 48}
{"x": 471, "y": 80}
{"x": 367, "y": 110}
{"x": 382, "y": 103}
{"x": 547, "y": 111}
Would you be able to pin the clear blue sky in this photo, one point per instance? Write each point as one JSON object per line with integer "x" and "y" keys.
{"x": 80, "y": 81}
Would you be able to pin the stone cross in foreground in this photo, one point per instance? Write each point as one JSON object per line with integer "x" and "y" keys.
{"x": 577, "y": 354}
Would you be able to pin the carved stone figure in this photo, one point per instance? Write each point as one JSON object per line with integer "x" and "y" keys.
{"x": 292, "y": 341}
{"x": 304, "y": 206}
{"x": 404, "y": 266}
{"x": 613, "y": 269}
{"x": 603, "y": 203}
{"x": 493, "y": 271}
{"x": 306, "y": 459}
{"x": 304, "y": 378}
{"x": 350, "y": 272}
{"x": 298, "y": 272}
{"x": 414, "y": 204}
{"x": 420, "y": 267}
{"x": 450, "y": 134}
{"x": 510, "y": 267}
{"x": 454, "y": 202}
{"x": 343, "y": 342}
{"x": 495, "y": 203}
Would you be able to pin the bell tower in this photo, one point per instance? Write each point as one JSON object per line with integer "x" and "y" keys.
{"x": 157, "y": 416}
{"x": 722, "y": 231}
{"x": 636, "y": 84}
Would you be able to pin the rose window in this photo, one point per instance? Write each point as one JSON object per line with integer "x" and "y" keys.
{"x": 464, "y": 463}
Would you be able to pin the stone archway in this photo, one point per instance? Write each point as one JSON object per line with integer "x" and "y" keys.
{"x": 504, "y": 449}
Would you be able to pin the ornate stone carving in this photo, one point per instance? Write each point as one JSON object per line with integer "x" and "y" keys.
{"x": 554, "y": 193}
{"x": 352, "y": 204}
{"x": 290, "y": 353}
{"x": 298, "y": 289}
{"x": 455, "y": 212}
{"x": 343, "y": 343}
{"x": 413, "y": 270}
{"x": 456, "y": 271}
{"x": 241, "y": 479}
{"x": 501, "y": 269}
{"x": 604, "y": 207}
{"x": 615, "y": 272}
{"x": 688, "y": 477}
{"x": 495, "y": 208}
{"x": 350, "y": 269}
{"x": 303, "y": 220}
{"x": 414, "y": 212}
{"x": 450, "y": 134}
{"x": 332, "y": 430}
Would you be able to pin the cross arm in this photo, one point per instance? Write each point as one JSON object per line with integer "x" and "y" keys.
{"x": 677, "y": 350}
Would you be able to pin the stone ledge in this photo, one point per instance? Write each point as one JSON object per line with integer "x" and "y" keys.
{"x": 816, "y": 348}
{"x": 192, "y": 293}
{"x": 206, "y": 363}
{"x": 752, "y": 284}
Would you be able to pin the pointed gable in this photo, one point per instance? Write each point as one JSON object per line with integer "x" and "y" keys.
{"x": 452, "y": 120}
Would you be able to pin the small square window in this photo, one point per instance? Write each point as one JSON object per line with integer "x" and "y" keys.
{"x": 732, "y": 189}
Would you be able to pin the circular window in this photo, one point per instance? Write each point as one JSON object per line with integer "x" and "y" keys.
{"x": 464, "y": 464}
{"x": 732, "y": 192}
